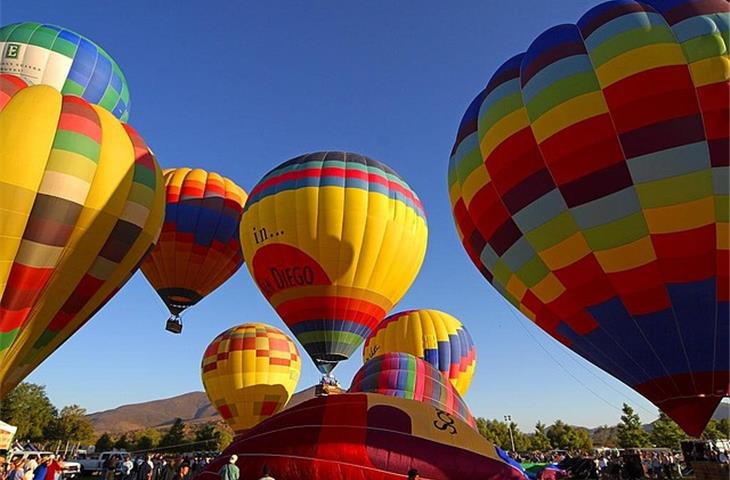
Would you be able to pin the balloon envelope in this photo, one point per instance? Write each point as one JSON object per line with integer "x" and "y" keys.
{"x": 361, "y": 436}
{"x": 249, "y": 373}
{"x": 589, "y": 184}
{"x": 55, "y": 56}
{"x": 405, "y": 376}
{"x": 198, "y": 249}
{"x": 82, "y": 203}
{"x": 431, "y": 335}
{"x": 333, "y": 240}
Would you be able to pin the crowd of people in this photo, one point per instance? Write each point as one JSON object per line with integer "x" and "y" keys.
{"x": 152, "y": 467}
{"x": 47, "y": 467}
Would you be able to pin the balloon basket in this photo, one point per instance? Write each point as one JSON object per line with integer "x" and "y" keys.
{"x": 174, "y": 325}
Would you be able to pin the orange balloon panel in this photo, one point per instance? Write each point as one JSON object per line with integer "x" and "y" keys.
{"x": 249, "y": 373}
{"x": 198, "y": 248}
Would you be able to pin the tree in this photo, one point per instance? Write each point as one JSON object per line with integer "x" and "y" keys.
{"x": 123, "y": 443}
{"x": 174, "y": 436}
{"x": 716, "y": 429}
{"x": 147, "y": 440}
{"x": 605, "y": 436}
{"x": 208, "y": 437}
{"x": 28, "y": 408}
{"x": 71, "y": 425}
{"x": 539, "y": 440}
{"x": 226, "y": 438}
{"x": 564, "y": 436}
{"x": 630, "y": 431}
{"x": 666, "y": 433}
{"x": 103, "y": 443}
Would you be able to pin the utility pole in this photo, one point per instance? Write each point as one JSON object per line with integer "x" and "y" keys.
{"x": 508, "y": 419}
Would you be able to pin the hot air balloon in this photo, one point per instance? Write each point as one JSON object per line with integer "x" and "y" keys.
{"x": 589, "y": 184}
{"x": 199, "y": 247}
{"x": 403, "y": 375}
{"x": 82, "y": 203}
{"x": 65, "y": 60}
{"x": 364, "y": 436}
{"x": 333, "y": 240}
{"x": 249, "y": 373}
{"x": 431, "y": 335}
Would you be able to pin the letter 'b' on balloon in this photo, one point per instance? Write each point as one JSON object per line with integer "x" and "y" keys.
{"x": 333, "y": 240}
{"x": 249, "y": 373}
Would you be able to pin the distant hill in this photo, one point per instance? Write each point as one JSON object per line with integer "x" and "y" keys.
{"x": 195, "y": 408}
{"x": 192, "y": 408}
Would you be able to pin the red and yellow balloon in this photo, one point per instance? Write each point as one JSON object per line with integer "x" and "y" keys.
{"x": 82, "y": 203}
{"x": 249, "y": 373}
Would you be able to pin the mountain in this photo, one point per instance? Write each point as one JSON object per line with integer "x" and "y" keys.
{"x": 192, "y": 408}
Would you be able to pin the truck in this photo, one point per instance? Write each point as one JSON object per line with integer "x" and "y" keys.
{"x": 94, "y": 462}
{"x": 70, "y": 469}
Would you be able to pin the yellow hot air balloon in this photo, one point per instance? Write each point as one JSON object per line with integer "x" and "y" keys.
{"x": 249, "y": 373}
{"x": 333, "y": 240}
{"x": 81, "y": 203}
{"x": 432, "y": 335}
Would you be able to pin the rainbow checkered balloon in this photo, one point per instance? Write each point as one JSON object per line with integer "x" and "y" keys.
{"x": 589, "y": 184}
{"x": 249, "y": 373}
{"x": 403, "y": 375}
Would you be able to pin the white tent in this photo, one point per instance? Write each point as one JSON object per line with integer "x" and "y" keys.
{"x": 7, "y": 432}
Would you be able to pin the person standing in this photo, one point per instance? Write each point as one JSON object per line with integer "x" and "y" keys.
{"x": 16, "y": 470}
{"x": 230, "y": 471}
{"x": 127, "y": 467}
{"x": 54, "y": 469}
{"x": 144, "y": 470}
{"x": 266, "y": 473}
{"x": 183, "y": 473}
{"x": 413, "y": 474}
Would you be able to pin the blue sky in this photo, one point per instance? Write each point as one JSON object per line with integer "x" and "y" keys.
{"x": 239, "y": 88}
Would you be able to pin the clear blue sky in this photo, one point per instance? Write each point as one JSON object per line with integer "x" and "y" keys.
{"x": 240, "y": 87}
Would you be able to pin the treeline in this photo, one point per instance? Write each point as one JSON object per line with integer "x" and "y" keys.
{"x": 180, "y": 438}
{"x": 27, "y": 407}
{"x": 628, "y": 433}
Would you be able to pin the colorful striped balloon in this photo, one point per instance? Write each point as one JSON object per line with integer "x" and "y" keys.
{"x": 430, "y": 335}
{"x": 55, "y": 56}
{"x": 333, "y": 240}
{"x": 249, "y": 373}
{"x": 589, "y": 184}
{"x": 199, "y": 248}
{"x": 82, "y": 203}
{"x": 403, "y": 375}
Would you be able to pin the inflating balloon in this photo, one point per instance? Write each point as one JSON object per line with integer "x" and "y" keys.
{"x": 364, "y": 436}
{"x": 199, "y": 247}
{"x": 249, "y": 373}
{"x": 589, "y": 183}
{"x": 431, "y": 335}
{"x": 333, "y": 240}
{"x": 403, "y": 375}
{"x": 55, "y": 56}
{"x": 82, "y": 203}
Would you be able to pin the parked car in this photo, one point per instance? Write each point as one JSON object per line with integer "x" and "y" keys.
{"x": 94, "y": 462}
{"x": 70, "y": 468}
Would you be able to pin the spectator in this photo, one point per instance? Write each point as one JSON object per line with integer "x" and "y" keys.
{"x": 230, "y": 471}
{"x": 183, "y": 473}
{"x": 267, "y": 473}
{"x": 40, "y": 471}
{"x": 126, "y": 468}
{"x": 413, "y": 474}
{"x": 144, "y": 470}
{"x": 54, "y": 469}
{"x": 16, "y": 471}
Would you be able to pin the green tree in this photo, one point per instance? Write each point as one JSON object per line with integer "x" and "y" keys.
{"x": 716, "y": 429}
{"x": 226, "y": 438}
{"x": 71, "y": 424}
{"x": 207, "y": 437}
{"x": 146, "y": 440}
{"x": 123, "y": 443}
{"x": 494, "y": 431}
{"x": 174, "y": 436}
{"x": 539, "y": 440}
{"x": 28, "y": 408}
{"x": 630, "y": 431}
{"x": 562, "y": 435}
{"x": 605, "y": 436}
{"x": 103, "y": 443}
{"x": 666, "y": 433}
